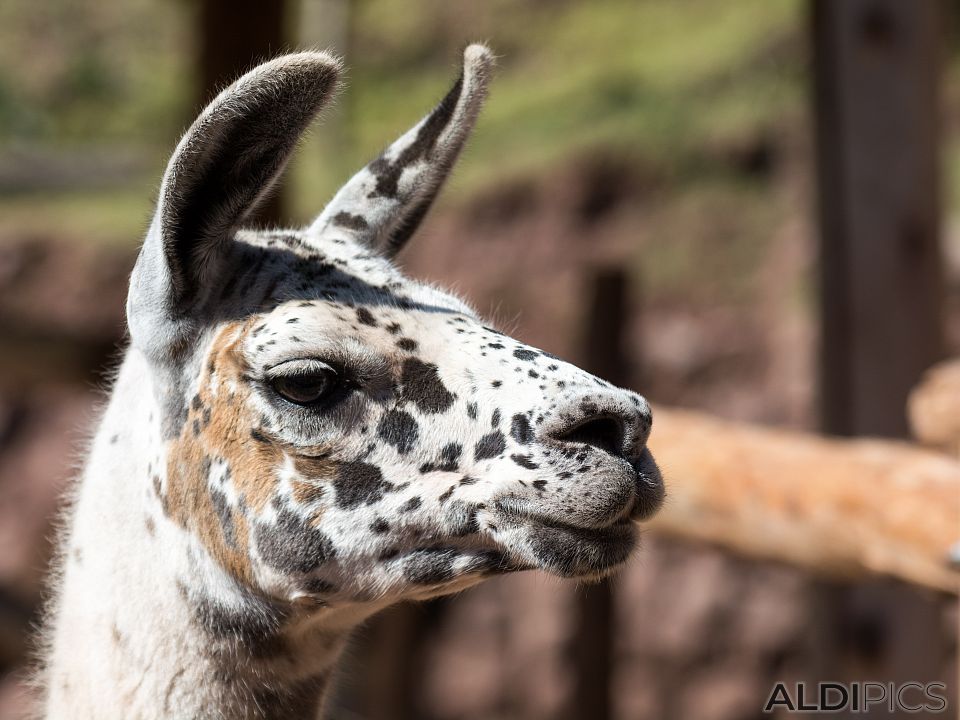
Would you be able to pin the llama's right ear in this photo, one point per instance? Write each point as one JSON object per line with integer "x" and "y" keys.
{"x": 222, "y": 167}
{"x": 384, "y": 203}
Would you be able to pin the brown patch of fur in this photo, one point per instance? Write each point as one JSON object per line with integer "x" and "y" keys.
{"x": 305, "y": 491}
{"x": 311, "y": 469}
{"x": 314, "y": 466}
{"x": 227, "y": 429}
{"x": 225, "y": 435}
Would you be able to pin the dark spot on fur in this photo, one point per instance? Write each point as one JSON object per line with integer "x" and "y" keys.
{"x": 358, "y": 482}
{"x": 412, "y": 504}
{"x": 463, "y": 520}
{"x": 399, "y": 429}
{"x": 291, "y": 544}
{"x": 540, "y": 484}
{"x": 524, "y": 461}
{"x": 258, "y": 436}
{"x": 366, "y": 317}
{"x": 317, "y": 586}
{"x": 407, "y": 344}
{"x": 520, "y": 429}
{"x": 526, "y": 355}
{"x": 254, "y": 623}
{"x": 450, "y": 457}
{"x": 225, "y": 515}
{"x": 490, "y": 446}
{"x": 388, "y": 172}
{"x": 428, "y": 567}
{"x": 380, "y": 526}
{"x": 422, "y": 386}
{"x": 388, "y": 554}
{"x": 447, "y": 462}
{"x": 350, "y": 221}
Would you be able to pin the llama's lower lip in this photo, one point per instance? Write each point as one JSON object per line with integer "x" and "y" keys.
{"x": 571, "y": 551}
{"x": 612, "y": 531}
{"x": 590, "y": 548}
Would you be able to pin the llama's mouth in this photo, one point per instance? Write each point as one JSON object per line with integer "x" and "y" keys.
{"x": 648, "y": 482}
{"x": 619, "y": 489}
{"x": 570, "y": 551}
{"x": 584, "y": 537}
{"x": 538, "y": 541}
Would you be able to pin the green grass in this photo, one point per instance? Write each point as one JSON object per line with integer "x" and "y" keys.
{"x": 661, "y": 81}
{"x": 658, "y": 80}
{"x": 117, "y": 216}
{"x": 707, "y": 245}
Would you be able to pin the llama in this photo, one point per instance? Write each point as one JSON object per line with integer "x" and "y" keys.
{"x": 299, "y": 435}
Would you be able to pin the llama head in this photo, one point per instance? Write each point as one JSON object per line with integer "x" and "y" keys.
{"x": 335, "y": 431}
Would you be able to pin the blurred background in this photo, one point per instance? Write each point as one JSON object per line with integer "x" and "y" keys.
{"x": 743, "y": 207}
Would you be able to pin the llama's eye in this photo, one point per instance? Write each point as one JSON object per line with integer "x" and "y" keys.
{"x": 303, "y": 382}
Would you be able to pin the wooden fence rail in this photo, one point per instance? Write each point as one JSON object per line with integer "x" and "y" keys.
{"x": 839, "y": 507}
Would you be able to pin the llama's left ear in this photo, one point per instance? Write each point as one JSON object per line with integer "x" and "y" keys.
{"x": 224, "y": 164}
{"x": 383, "y": 204}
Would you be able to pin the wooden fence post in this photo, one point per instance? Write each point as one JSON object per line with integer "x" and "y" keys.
{"x": 876, "y": 85}
{"x": 604, "y": 355}
{"x": 876, "y": 77}
{"x": 233, "y": 36}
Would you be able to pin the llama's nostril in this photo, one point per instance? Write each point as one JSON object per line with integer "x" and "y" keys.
{"x": 605, "y": 432}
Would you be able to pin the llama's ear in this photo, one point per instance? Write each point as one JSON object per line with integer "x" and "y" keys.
{"x": 223, "y": 165}
{"x": 383, "y": 204}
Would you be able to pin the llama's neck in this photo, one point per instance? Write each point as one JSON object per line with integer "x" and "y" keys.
{"x": 145, "y": 625}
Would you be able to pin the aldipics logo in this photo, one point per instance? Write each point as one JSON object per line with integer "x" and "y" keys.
{"x": 858, "y": 697}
